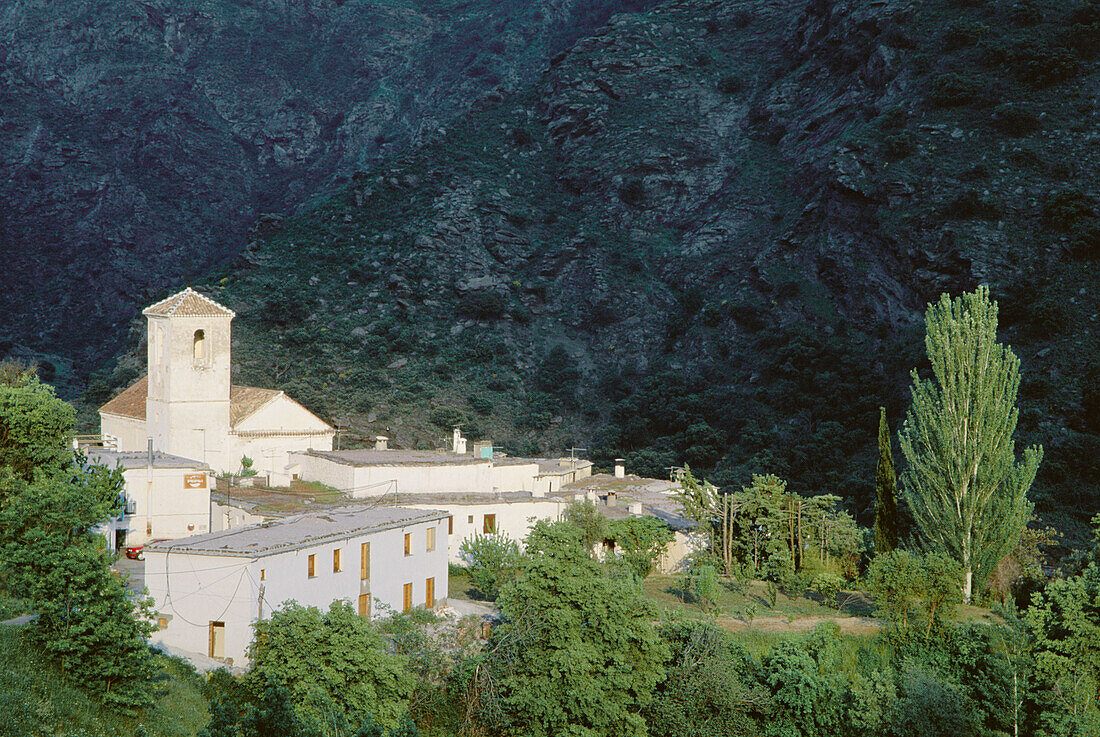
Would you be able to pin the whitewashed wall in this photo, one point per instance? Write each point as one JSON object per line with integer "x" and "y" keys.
{"x": 367, "y": 481}
{"x": 513, "y": 519}
{"x": 192, "y": 590}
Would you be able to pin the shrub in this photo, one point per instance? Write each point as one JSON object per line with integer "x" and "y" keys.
{"x": 731, "y": 85}
{"x": 481, "y": 304}
{"x": 828, "y": 585}
{"x": 481, "y": 403}
{"x": 1040, "y": 64}
{"x": 968, "y": 204}
{"x": 953, "y": 89}
{"x": 1015, "y": 119}
{"x": 703, "y": 584}
{"x": 1067, "y": 208}
{"x": 1084, "y": 240}
{"x": 491, "y": 560}
{"x": 632, "y": 192}
{"x": 446, "y": 417}
{"x": 898, "y": 145}
{"x": 963, "y": 33}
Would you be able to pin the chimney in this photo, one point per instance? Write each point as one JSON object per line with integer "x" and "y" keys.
{"x": 635, "y": 508}
{"x": 381, "y": 442}
{"x": 149, "y": 457}
{"x": 611, "y": 497}
{"x": 620, "y": 468}
{"x": 458, "y": 443}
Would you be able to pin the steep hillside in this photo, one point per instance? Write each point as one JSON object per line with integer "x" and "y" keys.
{"x": 707, "y": 235}
{"x": 139, "y": 141}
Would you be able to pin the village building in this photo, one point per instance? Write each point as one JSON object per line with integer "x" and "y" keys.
{"x": 382, "y": 470}
{"x": 209, "y": 589}
{"x": 166, "y": 496}
{"x": 190, "y": 408}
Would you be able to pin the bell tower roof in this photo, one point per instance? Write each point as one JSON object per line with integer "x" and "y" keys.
{"x": 188, "y": 303}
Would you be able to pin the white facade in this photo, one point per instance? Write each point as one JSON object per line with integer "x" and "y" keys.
{"x": 209, "y": 590}
{"x": 367, "y": 473}
{"x": 188, "y": 406}
{"x": 167, "y": 497}
{"x": 511, "y": 518}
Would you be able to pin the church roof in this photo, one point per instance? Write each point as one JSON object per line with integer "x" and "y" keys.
{"x": 188, "y": 303}
{"x": 130, "y": 403}
{"x": 244, "y": 401}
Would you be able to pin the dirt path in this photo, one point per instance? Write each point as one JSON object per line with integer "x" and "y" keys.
{"x": 848, "y": 625}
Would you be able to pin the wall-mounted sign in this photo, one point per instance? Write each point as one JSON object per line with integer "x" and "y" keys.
{"x": 194, "y": 481}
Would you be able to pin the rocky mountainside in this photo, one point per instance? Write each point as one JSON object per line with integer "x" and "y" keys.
{"x": 706, "y": 234}
{"x": 139, "y": 141}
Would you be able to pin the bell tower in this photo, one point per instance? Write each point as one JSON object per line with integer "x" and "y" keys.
{"x": 187, "y": 407}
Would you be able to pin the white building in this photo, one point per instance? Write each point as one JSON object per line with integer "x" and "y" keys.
{"x": 189, "y": 407}
{"x": 166, "y": 496}
{"x": 210, "y": 589}
{"x": 381, "y": 471}
{"x": 509, "y": 514}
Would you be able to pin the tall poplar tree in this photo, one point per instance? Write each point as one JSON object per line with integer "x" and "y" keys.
{"x": 967, "y": 491}
{"x": 886, "y": 491}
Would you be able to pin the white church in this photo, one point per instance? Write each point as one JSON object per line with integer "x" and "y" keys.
{"x": 189, "y": 408}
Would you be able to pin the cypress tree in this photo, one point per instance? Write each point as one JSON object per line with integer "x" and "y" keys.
{"x": 886, "y": 493}
{"x": 967, "y": 492}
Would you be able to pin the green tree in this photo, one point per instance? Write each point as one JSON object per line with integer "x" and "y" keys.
{"x": 915, "y": 590}
{"x": 967, "y": 492}
{"x": 886, "y": 493}
{"x": 492, "y": 561}
{"x": 333, "y": 664}
{"x": 641, "y": 542}
{"x": 711, "y": 688}
{"x": 35, "y": 426}
{"x": 593, "y": 526}
{"x": 87, "y": 621}
{"x": 577, "y": 653}
{"x": 1064, "y": 623}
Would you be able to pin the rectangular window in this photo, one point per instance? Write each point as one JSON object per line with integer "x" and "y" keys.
{"x": 490, "y": 526}
{"x": 364, "y": 562}
{"x": 429, "y": 593}
{"x": 408, "y": 597}
{"x": 470, "y": 520}
{"x": 162, "y": 623}
{"x": 431, "y": 539}
{"x": 451, "y": 525}
{"x": 364, "y": 605}
{"x": 263, "y": 574}
{"x": 217, "y": 639}
{"x": 408, "y": 543}
{"x": 312, "y": 566}
{"x": 336, "y": 561}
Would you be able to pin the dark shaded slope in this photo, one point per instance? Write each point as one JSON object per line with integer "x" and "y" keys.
{"x": 140, "y": 140}
{"x": 708, "y": 236}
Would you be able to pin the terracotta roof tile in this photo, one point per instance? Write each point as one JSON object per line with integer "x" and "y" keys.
{"x": 188, "y": 303}
{"x": 130, "y": 403}
{"x": 244, "y": 401}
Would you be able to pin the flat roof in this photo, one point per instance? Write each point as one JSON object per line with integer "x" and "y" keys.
{"x": 471, "y": 498}
{"x": 140, "y": 459}
{"x": 297, "y": 532}
{"x": 370, "y": 457}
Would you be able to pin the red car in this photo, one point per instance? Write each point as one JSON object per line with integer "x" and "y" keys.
{"x": 134, "y": 552}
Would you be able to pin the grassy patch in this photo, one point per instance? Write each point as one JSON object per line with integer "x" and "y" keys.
{"x": 35, "y": 700}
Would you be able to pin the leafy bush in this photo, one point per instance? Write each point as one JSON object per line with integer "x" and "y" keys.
{"x": 481, "y": 403}
{"x": 481, "y": 304}
{"x": 446, "y": 417}
{"x": 898, "y": 145}
{"x": 968, "y": 204}
{"x": 962, "y": 33}
{"x": 952, "y": 89}
{"x": 1067, "y": 208}
{"x": 492, "y": 561}
{"x": 1015, "y": 119}
{"x": 1040, "y": 64}
{"x": 828, "y": 585}
{"x": 731, "y": 85}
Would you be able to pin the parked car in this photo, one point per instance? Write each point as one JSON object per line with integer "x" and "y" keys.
{"x": 135, "y": 552}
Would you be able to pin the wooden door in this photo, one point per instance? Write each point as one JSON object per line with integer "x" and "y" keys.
{"x": 217, "y": 639}
{"x": 429, "y": 593}
{"x": 364, "y": 605}
{"x": 408, "y": 598}
{"x": 364, "y": 562}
